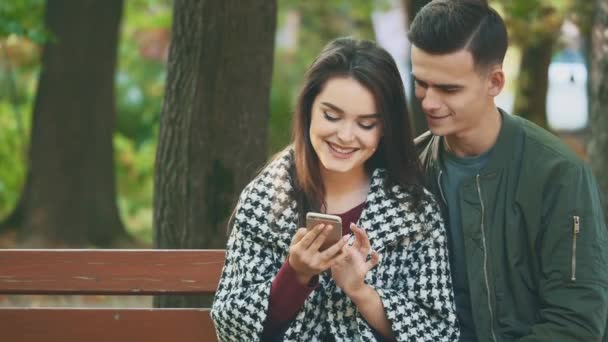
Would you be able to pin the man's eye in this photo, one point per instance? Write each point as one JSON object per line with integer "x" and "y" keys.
{"x": 329, "y": 117}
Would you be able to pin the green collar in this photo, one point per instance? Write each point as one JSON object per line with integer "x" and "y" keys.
{"x": 504, "y": 149}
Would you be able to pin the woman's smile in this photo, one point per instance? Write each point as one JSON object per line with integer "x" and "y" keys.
{"x": 341, "y": 152}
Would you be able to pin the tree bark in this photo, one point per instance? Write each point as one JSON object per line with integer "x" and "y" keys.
{"x": 533, "y": 80}
{"x": 69, "y": 198}
{"x": 598, "y": 121}
{"x": 417, "y": 117}
{"x": 214, "y": 120}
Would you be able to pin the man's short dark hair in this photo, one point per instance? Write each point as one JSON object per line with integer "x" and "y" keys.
{"x": 446, "y": 26}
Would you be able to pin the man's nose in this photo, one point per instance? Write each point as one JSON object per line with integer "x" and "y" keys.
{"x": 430, "y": 101}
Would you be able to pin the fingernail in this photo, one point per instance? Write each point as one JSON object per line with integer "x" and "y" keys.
{"x": 346, "y": 237}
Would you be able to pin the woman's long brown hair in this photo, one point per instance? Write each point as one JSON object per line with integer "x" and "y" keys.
{"x": 375, "y": 69}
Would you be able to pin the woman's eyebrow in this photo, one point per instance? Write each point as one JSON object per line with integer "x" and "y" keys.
{"x": 341, "y": 111}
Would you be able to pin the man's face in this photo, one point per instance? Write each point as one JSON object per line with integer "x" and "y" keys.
{"x": 453, "y": 94}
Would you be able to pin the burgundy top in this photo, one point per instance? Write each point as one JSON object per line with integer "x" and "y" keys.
{"x": 287, "y": 295}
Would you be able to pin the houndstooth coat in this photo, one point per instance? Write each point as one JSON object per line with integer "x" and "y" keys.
{"x": 412, "y": 277}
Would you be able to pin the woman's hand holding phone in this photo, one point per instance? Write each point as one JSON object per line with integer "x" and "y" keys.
{"x": 304, "y": 254}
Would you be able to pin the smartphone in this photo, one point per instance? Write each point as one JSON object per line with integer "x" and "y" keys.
{"x": 314, "y": 219}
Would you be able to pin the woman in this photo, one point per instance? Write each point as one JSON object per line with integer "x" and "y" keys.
{"x": 352, "y": 155}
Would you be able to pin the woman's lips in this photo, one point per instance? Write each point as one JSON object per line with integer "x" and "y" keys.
{"x": 341, "y": 152}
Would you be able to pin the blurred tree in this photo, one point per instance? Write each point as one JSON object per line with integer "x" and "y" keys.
{"x": 598, "y": 144}
{"x": 214, "y": 120}
{"x": 69, "y": 198}
{"x": 582, "y": 15}
{"x": 417, "y": 117}
{"x": 534, "y": 26}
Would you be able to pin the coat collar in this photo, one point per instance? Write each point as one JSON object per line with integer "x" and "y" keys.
{"x": 429, "y": 146}
{"x": 387, "y": 217}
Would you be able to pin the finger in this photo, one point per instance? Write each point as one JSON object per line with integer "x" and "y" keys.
{"x": 298, "y": 236}
{"x": 364, "y": 245}
{"x": 311, "y": 235}
{"x": 357, "y": 243}
{"x": 334, "y": 249}
{"x": 373, "y": 261}
{"x": 318, "y": 241}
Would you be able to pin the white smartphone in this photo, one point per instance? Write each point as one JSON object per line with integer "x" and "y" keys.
{"x": 314, "y": 219}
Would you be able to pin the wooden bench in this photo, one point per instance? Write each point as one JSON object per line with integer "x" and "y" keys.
{"x": 108, "y": 272}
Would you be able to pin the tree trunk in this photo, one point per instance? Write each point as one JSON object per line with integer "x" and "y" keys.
{"x": 598, "y": 144}
{"x": 417, "y": 117}
{"x": 533, "y": 80}
{"x": 214, "y": 120}
{"x": 69, "y": 198}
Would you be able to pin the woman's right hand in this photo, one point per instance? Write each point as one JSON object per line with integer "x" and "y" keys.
{"x": 305, "y": 257}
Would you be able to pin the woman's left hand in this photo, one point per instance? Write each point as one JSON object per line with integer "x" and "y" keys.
{"x": 350, "y": 270}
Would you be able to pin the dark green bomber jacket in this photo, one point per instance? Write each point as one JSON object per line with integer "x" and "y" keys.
{"x": 536, "y": 243}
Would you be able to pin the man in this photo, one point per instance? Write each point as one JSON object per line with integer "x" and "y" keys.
{"x": 528, "y": 240}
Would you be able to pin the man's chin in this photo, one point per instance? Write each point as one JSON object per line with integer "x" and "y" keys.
{"x": 438, "y": 131}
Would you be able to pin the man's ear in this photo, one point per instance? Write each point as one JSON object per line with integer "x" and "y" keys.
{"x": 496, "y": 80}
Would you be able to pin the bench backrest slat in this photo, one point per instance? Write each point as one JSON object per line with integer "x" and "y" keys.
{"x": 97, "y": 325}
{"x": 110, "y": 272}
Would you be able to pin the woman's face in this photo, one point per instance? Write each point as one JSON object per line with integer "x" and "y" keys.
{"x": 345, "y": 128}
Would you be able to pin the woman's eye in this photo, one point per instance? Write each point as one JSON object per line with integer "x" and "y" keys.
{"x": 329, "y": 117}
{"x": 367, "y": 125}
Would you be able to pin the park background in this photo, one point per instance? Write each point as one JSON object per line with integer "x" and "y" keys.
{"x": 135, "y": 124}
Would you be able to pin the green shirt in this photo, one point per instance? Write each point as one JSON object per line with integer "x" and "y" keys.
{"x": 455, "y": 170}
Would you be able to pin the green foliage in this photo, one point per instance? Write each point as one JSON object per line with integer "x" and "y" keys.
{"x": 135, "y": 178}
{"x": 147, "y": 14}
{"x": 17, "y": 87}
{"x": 23, "y": 18}
{"x": 21, "y": 23}
{"x": 531, "y": 21}
{"x": 140, "y": 82}
{"x": 12, "y": 170}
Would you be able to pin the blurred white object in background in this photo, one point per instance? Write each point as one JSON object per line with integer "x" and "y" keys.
{"x": 567, "y": 100}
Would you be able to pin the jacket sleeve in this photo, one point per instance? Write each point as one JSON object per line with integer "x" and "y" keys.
{"x": 420, "y": 304}
{"x": 241, "y": 301}
{"x": 573, "y": 285}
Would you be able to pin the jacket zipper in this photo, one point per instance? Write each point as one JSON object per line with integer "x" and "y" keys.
{"x": 485, "y": 259}
{"x": 576, "y": 229}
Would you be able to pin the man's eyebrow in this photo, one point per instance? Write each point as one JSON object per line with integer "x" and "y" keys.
{"x": 452, "y": 86}
{"x": 341, "y": 111}
{"x": 449, "y": 86}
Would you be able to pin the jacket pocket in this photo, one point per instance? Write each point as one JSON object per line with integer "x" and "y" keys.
{"x": 576, "y": 229}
